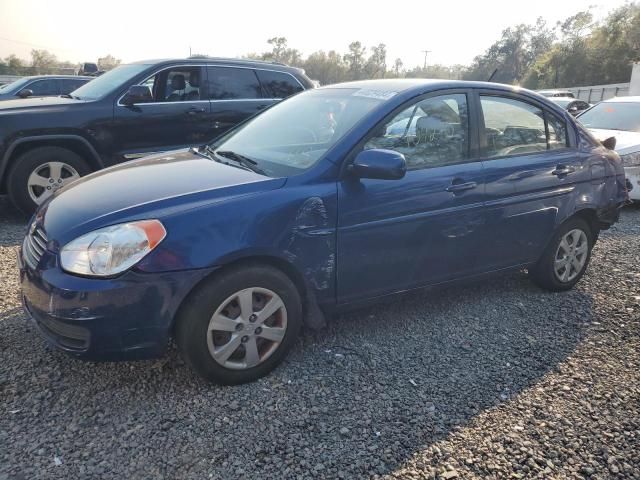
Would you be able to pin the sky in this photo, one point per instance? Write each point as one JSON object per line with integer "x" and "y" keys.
{"x": 454, "y": 31}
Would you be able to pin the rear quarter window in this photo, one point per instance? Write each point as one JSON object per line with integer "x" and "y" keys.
{"x": 278, "y": 84}
{"x": 229, "y": 83}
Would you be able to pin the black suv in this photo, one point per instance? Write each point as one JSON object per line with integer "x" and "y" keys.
{"x": 129, "y": 112}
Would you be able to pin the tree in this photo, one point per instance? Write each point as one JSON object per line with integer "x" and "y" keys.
{"x": 108, "y": 62}
{"x": 43, "y": 61}
{"x": 326, "y": 67}
{"x": 397, "y": 65}
{"x": 377, "y": 63}
{"x": 15, "y": 65}
{"x": 279, "y": 46}
{"x": 355, "y": 59}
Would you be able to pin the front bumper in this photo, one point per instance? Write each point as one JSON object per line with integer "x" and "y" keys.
{"x": 125, "y": 318}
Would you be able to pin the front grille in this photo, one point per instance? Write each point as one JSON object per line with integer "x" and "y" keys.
{"x": 34, "y": 246}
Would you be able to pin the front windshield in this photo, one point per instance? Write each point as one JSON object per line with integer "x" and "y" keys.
{"x": 16, "y": 84}
{"x": 294, "y": 134}
{"x": 613, "y": 116}
{"x": 108, "y": 82}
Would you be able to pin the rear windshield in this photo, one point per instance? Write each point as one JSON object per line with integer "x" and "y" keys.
{"x": 613, "y": 116}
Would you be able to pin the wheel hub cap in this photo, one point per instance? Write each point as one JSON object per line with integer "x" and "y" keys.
{"x": 571, "y": 255}
{"x": 247, "y": 328}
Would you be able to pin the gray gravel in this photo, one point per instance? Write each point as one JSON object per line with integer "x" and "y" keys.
{"x": 498, "y": 380}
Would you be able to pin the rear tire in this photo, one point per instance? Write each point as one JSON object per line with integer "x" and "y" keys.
{"x": 566, "y": 258}
{"x": 228, "y": 317}
{"x": 56, "y": 165}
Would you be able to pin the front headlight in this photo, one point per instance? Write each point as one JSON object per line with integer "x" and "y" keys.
{"x": 630, "y": 159}
{"x": 111, "y": 250}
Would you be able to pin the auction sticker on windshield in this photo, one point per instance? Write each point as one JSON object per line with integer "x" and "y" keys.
{"x": 377, "y": 94}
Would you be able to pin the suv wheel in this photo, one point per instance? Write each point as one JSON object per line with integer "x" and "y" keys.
{"x": 566, "y": 258}
{"x": 40, "y": 172}
{"x": 238, "y": 326}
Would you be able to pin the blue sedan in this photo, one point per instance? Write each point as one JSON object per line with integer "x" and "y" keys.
{"x": 336, "y": 197}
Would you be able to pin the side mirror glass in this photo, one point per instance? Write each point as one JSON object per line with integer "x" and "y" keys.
{"x": 610, "y": 143}
{"x": 379, "y": 164}
{"x": 137, "y": 94}
{"x": 25, "y": 93}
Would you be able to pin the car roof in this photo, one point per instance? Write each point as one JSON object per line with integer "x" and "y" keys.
{"x": 632, "y": 99}
{"x": 562, "y": 90}
{"x": 398, "y": 85}
{"x": 241, "y": 62}
{"x": 567, "y": 99}
{"x": 39, "y": 77}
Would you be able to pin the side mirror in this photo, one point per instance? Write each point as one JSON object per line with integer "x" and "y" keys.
{"x": 379, "y": 164}
{"x": 573, "y": 110}
{"x": 25, "y": 93}
{"x": 609, "y": 143}
{"x": 137, "y": 94}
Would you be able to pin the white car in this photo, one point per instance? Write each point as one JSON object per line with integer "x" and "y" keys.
{"x": 620, "y": 118}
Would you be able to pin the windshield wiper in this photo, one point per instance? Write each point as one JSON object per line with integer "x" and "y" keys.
{"x": 241, "y": 160}
{"x": 197, "y": 151}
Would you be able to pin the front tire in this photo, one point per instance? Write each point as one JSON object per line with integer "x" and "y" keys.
{"x": 38, "y": 173}
{"x": 239, "y": 325}
{"x": 566, "y": 258}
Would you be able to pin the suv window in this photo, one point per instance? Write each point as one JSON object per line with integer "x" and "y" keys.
{"x": 228, "y": 83}
{"x": 431, "y": 133}
{"x": 69, "y": 85}
{"x": 44, "y": 87}
{"x": 181, "y": 84}
{"x": 512, "y": 127}
{"x": 278, "y": 84}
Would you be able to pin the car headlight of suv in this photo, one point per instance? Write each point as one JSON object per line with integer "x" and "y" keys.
{"x": 111, "y": 250}
{"x": 631, "y": 159}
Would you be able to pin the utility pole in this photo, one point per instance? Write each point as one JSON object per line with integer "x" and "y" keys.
{"x": 426, "y": 52}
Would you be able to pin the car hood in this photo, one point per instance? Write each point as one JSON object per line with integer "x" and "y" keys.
{"x": 626, "y": 142}
{"x": 36, "y": 102}
{"x": 153, "y": 187}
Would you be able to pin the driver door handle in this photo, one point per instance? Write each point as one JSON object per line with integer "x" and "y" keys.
{"x": 460, "y": 187}
{"x": 195, "y": 111}
{"x": 562, "y": 170}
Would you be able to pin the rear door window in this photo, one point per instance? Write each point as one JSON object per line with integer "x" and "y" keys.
{"x": 68, "y": 85}
{"x": 278, "y": 84}
{"x": 512, "y": 127}
{"x": 230, "y": 83}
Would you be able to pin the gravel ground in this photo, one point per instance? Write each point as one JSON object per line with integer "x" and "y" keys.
{"x": 498, "y": 380}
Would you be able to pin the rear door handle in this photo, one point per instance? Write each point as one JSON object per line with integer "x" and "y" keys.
{"x": 562, "y": 170}
{"x": 195, "y": 111}
{"x": 461, "y": 187}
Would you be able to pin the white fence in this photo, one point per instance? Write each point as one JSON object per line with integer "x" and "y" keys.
{"x": 597, "y": 93}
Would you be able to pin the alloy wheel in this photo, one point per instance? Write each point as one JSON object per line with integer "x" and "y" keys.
{"x": 247, "y": 328}
{"x": 571, "y": 255}
{"x": 49, "y": 177}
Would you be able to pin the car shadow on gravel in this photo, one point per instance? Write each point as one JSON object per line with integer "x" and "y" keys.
{"x": 361, "y": 396}
{"x": 357, "y": 399}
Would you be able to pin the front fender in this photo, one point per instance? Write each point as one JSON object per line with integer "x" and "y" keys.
{"x": 293, "y": 224}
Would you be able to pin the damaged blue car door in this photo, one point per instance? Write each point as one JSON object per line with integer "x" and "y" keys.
{"x": 423, "y": 228}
